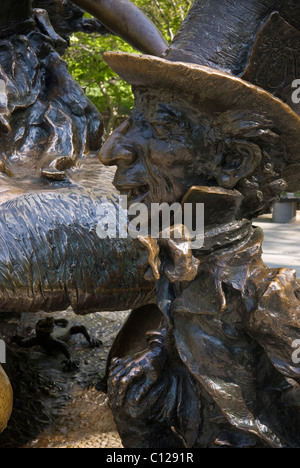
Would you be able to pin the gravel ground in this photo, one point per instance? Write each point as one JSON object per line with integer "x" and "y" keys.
{"x": 87, "y": 422}
{"x": 53, "y": 408}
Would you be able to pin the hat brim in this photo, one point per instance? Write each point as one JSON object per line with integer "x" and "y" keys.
{"x": 213, "y": 91}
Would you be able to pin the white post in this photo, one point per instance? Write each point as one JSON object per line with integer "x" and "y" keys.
{"x": 2, "y": 352}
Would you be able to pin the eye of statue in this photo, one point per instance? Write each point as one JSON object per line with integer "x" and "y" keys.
{"x": 146, "y": 129}
{"x": 171, "y": 131}
{"x": 138, "y": 121}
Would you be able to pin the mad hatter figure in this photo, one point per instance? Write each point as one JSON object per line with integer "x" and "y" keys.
{"x": 219, "y": 370}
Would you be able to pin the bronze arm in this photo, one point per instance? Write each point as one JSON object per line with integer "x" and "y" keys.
{"x": 127, "y": 21}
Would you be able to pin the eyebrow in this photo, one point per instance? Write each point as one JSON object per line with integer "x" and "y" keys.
{"x": 170, "y": 112}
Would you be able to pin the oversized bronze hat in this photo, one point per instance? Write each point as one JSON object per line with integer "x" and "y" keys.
{"x": 254, "y": 72}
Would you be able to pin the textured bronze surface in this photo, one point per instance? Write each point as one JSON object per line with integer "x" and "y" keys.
{"x": 220, "y": 369}
{"x": 6, "y": 399}
{"x": 207, "y": 359}
{"x": 66, "y": 18}
{"x": 49, "y": 133}
{"x": 46, "y": 122}
{"x": 127, "y": 21}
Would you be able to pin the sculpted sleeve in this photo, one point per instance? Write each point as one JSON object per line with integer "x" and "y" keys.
{"x": 52, "y": 256}
{"x": 275, "y": 323}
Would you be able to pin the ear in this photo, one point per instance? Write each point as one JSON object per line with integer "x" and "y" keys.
{"x": 239, "y": 162}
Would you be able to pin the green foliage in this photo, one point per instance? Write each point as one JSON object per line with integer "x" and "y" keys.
{"x": 111, "y": 95}
{"x": 167, "y": 15}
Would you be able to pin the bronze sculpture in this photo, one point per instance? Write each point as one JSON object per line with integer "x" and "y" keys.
{"x": 6, "y": 399}
{"x": 52, "y": 335}
{"x": 75, "y": 194}
{"x": 67, "y": 18}
{"x": 46, "y": 126}
{"x": 47, "y": 123}
{"x": 218, "y": 371}
{"x": 220, "y": 356}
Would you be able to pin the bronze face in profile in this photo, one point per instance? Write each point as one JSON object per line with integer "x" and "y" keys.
{"x": 213, "y": 100}
{"x": 215, "y": 349}
{"x": 168, "y": 146}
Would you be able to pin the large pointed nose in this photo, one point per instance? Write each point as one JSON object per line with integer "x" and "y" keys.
{"x": 118, "y": 150}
